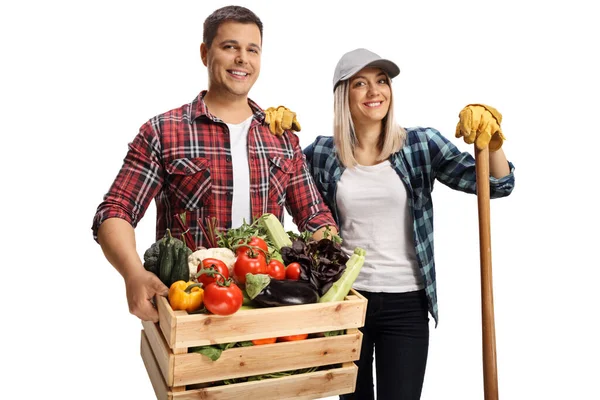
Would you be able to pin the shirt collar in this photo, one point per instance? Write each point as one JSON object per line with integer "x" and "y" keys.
{"x": 199, "y": 109}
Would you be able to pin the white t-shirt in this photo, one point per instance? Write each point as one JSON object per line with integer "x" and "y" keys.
{"x": 374, "y": 215}
{"x": 240, "y": 208}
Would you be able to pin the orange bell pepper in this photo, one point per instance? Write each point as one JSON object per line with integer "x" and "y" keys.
{"x": 187, "y": 296}
{"x": 292, "y": 338}
{"x": 258, "y": 342}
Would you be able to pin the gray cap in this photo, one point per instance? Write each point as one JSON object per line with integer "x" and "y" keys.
{"x": 355, "y": 60}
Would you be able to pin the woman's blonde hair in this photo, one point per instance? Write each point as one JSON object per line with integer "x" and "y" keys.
{"x": 344, "y": 137}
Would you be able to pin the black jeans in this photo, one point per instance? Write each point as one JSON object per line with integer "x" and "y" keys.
{"x": 397, "y": 327}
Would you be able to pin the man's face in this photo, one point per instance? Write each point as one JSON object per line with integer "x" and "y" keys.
{"x": 233, "y": 60}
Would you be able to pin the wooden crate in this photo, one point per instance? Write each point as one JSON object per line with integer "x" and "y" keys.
{"x": 172, "y": 369}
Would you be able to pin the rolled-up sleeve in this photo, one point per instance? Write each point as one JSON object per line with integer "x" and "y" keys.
{"x": 304, "y": 202}
{"x": 136, "y": 184}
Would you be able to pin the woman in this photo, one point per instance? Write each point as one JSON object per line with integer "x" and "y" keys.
{"x": 377, "y": 178}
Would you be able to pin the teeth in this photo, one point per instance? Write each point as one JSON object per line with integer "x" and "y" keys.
{"x": 239, "y": 73}
{"x": 375, "y": 104}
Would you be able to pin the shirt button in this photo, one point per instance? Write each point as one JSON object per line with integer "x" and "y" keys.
{"x": 228, "y": 158}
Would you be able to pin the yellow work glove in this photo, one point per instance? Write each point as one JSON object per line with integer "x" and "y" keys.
{"x": 281, "y": 119}
{"x": 480, "y": 124}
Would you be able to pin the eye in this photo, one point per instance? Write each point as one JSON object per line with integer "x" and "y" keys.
{"x": 253, "y": 50}
{"x": 358, "y": 83}
{"x": 229, "y": 47}
{"x": 383, "y": 81}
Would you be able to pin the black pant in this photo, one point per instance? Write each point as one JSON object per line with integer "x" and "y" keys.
{"x": 397, "y": 327}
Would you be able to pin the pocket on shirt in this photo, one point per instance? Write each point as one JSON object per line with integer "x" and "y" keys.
{"x": 189, "y": 182}
{"x": 280, "y": 173}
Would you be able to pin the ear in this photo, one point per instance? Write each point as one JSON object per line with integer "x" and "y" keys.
{"x": 203, "y": 53}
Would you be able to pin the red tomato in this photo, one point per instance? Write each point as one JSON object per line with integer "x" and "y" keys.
{"x": 248, "y": 262}
{"x": 256, "y": 242}
{"x": 223, "y": 300}
{"x": 276, "y": 269}
{"x": 258, "y": 342}
{"x": 208, "y": 263}
{"x": 292, "y": 338}
{"x": 293, "y": 271}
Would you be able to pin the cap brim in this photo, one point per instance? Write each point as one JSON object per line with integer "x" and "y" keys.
{"x": 388, "y": 66}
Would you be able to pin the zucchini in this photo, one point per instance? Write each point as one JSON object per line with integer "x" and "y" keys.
{"x": 268, "y": 292}
{"x": 181, "y": 270}
{"x": 168, "y": 259}
{"x": 340, "y": 288}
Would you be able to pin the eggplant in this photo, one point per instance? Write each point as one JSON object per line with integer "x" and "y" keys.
{"x": 281, "y": 292}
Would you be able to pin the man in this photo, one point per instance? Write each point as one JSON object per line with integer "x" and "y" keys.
{"x": 185, "y": 159}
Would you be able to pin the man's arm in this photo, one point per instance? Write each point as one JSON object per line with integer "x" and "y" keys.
{"x": 117, "y": 239}
{"x": 318, "y": 234}
{"x": 303, "y": 199}
{"x": 136, "y": 184}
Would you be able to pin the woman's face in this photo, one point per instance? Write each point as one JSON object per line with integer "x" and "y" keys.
{"x": 370, "y": 95}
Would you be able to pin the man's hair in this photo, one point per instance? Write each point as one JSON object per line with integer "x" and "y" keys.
{"x": 343, "y": 128}
{"x": 228, "y": 13}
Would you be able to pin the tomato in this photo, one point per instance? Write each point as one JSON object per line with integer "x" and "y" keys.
{"x": 254, "y": 241}
{"x": 258, "y": 342}
{"x": 292, "y": 271}
{"x": 219, "y": 265}
{"x": 276, "y": 269}
{"x": 292, "y": 338}
{"x": 249, "y": 262}
{"x": 223, "y": 298}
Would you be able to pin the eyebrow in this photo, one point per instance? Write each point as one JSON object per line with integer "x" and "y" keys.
{"x": 363, "y": 77}
{"x": 232, "y": 41}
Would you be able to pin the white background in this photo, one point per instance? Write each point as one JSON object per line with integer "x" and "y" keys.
{"x": 78, "y": 80}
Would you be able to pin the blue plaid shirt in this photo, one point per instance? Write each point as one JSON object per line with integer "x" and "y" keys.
{"x": 425, "y": 156}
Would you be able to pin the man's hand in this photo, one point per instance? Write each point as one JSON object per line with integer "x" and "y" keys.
{"x": 141, "y": 289}
{"x": 480, "y": 124}
{"x": 281, "y": 119}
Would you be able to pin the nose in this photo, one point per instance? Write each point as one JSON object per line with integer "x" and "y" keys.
{"x": 242, "y": 58}
{"x": 372, "y": 91}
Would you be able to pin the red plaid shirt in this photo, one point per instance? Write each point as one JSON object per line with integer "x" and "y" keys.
{"x": 182, "y": 159}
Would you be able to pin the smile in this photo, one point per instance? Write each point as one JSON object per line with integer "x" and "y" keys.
{"x": 373, "y": 104}
{"x": 237, "y": 74}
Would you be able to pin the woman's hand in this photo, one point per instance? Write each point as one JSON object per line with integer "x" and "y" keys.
{"x": 281, "y": 119}
{"x": 480, "y": 124}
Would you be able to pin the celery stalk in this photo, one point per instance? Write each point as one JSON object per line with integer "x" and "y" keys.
{"x": 342, "y": 286}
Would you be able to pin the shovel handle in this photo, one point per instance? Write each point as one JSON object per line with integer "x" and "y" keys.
{"x": 490, "y": 375}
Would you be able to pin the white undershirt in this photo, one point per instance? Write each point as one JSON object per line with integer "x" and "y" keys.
{"x": 375, "y": 216}
{"x": 240, "y": 207}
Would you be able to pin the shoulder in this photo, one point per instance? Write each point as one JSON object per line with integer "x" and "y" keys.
{"x": 322, "y": 144}
{"x": 175, "y": 116}
{"x": 420, "y": 138}
{"x": 420, "y": 134}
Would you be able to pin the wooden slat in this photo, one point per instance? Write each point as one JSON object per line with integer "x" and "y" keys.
{"x": 154, "y": 373}
{"x": 257, "y": 360}
{"x": 167, "y": 319}
{"x": 163, "y": 354}
{"x": 299, "y": 387}
{"x": 195, "y": 330}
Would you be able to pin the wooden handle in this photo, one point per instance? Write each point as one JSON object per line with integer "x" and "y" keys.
{"x": 490, "y": 375}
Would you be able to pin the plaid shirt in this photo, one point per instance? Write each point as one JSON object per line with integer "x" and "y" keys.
{"x": 182, "y": 159}
{"x": 425, "y": 156}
